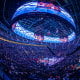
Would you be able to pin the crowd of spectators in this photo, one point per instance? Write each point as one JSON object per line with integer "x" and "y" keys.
{"x": 21, "y": 62}
{"x": 21, "y": 65}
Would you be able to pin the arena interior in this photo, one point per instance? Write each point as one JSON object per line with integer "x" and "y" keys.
{"x": 39, "y": 40}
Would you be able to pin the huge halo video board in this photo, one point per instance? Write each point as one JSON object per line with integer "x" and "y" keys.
{"x": 42, "y": 7}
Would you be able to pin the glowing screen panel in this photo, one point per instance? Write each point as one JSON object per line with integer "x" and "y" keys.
{"x": 42, "y": 7}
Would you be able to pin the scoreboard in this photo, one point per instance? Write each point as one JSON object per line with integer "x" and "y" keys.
{"x": 42, "y": 7}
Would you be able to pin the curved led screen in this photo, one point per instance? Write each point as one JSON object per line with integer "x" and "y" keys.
{"x": 18, "y": 29}
{"x": 42, "y": 7}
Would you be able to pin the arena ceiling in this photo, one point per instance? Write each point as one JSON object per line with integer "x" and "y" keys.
{"x": 71, "y": 6}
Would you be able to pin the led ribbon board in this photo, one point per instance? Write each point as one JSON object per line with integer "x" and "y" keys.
{"x": 42, "y": 7}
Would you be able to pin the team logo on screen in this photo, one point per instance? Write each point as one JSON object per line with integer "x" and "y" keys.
{"x": 64, "y": 39}
{"x": 39, "y": 37}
